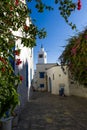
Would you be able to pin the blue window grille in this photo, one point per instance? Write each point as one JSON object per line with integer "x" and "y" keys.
{"x": 41, "y": 74}
{"x": 41, "y": 85}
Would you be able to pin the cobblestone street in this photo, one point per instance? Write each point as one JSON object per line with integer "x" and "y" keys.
{"x": 45, "y": 111}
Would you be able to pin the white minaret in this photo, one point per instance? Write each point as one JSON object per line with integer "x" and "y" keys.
{"x": 42, "y": 56}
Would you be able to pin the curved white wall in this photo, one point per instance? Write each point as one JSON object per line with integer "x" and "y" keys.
{"x": 58, "y": 78}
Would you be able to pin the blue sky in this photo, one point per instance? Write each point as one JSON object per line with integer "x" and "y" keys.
{"x": 57, "y": 29}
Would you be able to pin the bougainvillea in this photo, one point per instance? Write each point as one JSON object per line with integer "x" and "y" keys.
{"x": 65, "y": 7}
{"x": 21, "y": 77}
{"x": 75, "y": 56}
{"x": 13, "y": 14}
{"x": 79, "y": 5}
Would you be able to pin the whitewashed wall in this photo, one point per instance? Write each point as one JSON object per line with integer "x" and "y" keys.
{"x": 78, "y": 90}
{"x": 58, "y": 78}
{"x": 26, "y": 56}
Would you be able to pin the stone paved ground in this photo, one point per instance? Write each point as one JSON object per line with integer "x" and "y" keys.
{"x": 51, "y": 112}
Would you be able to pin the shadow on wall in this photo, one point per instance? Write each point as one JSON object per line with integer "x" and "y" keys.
{"x": 50, "y": 85}
{"x": 24, "y": 86}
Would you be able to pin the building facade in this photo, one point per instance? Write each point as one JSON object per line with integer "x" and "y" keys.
{"x": 25, "y": 69}
{"x": 40, "y": 75}
{"x": 58, "y": 80}
{"x": 49, "y": 76}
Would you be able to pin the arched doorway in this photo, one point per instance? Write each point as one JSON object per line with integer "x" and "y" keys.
{"x": 50, "y": 85}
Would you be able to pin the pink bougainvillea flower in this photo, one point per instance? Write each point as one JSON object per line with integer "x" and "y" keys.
{"x": 86, "y": 36}
{"x": 78, "y": 41}
{"x": 3, "y": 69}
{"x": 16, "y": 2}
{"x": 16, "y": 52}
{"x": 26, "y": 27}
{"x": 3, "y": 60}
{"x": 0, "y": 58}
{"x": 21, "y": 78}
{"x": 18, "y": 62}
{"x": 79, "y": 5}
{"x": 11, "y": 8}
{"x": 73, "y": 51}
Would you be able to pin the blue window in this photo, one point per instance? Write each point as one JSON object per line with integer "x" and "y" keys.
{"x": 41, "y": 74}
{"x": 41, "y": 85}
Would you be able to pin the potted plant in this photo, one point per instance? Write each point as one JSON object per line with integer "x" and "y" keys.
{"x": 9, "y": 98}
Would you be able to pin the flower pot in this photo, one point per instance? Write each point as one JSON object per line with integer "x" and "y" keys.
{"x": 7, "y": 123}
{"x": 15, "y": 121}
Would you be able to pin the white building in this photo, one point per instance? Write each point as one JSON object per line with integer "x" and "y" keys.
{"x": 40, "y": 75}
{"x": 57, "y": 80}
{"x": 25, "y": 69}
{"x": 50, "y": 76}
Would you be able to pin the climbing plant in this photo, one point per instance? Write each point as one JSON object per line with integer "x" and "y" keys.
{"x": 75, "y": 57}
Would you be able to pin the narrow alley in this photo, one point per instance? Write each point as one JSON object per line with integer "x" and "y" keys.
{"x": 45, "y": 111}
